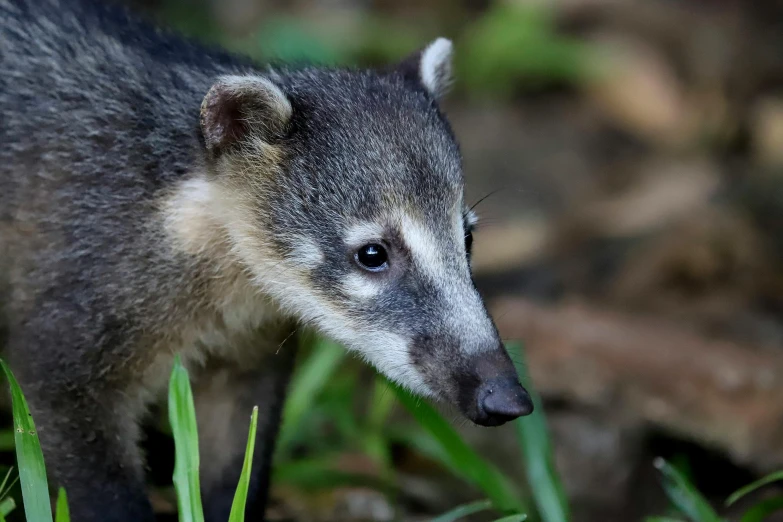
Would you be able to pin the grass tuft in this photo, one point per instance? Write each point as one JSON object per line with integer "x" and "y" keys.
{"x": 464, "y": 510}
{"x": 32, "y": 470}
{"x": 548, "y": 493}
{"x": 436, "y": 438}
{"x": 684, "y": 495}
{"x": 753, "y": 486}
{"x": 240, "y": 496}
{"x": 182, "y": 416}
{"x": 455, "y": 453}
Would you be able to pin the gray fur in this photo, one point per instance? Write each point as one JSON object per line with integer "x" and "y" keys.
{"x": 157, "y": 198}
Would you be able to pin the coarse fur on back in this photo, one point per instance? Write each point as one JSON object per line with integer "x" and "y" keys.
{"x": 160, "y": 198}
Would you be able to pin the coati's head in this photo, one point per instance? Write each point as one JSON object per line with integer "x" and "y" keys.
{"x": 343, "y": 196}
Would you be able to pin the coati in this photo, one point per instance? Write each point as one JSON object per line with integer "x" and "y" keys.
{"x": 161, "y": 198}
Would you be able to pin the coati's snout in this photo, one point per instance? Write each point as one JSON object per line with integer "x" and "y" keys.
{"x": 481, "y": 382}
{"x": 491, "y": 395}
{"x": 501, "y": 400}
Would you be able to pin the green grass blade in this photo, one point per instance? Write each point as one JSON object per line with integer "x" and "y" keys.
{"x": 182, "y": 416}
{"x": 753, "y": 486}
{"x": 423, "y": 443}
{"x": 684, "y": 495}
{"x": 240, "y": 497}
{"x": 374, "y": 436}
{"x": 533, "y": 438}
{"x": 310, "y": 378}
{"x": 62, "y": 513}
{"x": 32, "y": 471}
{"x": 3, "y": 489}
{"x": 763, "y": 509}
{"x": 6, "y": 506}
{"x": 383, "y": 402}
{"x": 512, "y": 518}
{"x": 460, "y": 457}
{"x": 463, "y": 511}
{"x": 323, "y": 473}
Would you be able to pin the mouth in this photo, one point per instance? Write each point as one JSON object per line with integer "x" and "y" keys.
{"x": 498, "y": 401}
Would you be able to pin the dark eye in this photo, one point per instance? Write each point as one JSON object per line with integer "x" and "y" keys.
{"x": 372, "y": 257}
{"x": 468, "y": 241}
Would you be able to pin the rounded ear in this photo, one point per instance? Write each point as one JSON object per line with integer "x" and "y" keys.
{"x": 430, "y": 67}
{"x": 240, "y": 107}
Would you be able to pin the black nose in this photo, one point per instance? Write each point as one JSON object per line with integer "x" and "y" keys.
{"x": 501, "y": 400}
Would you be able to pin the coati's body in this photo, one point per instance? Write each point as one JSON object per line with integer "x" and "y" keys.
{"x": 158, "y": 198}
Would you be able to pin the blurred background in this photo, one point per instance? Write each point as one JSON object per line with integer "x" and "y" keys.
{"x": 626, "y": 160}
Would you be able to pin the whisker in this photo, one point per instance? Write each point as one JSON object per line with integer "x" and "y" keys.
{"x": 492, "y": 193}
{"x": 280, "y": 346}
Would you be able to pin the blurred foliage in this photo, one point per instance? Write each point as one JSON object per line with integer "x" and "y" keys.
{"x": 750, "y": 488}
{"x": 324, "y": 421}
{"x": 431, "y": 435}
{"x": 684, "y": 495}
{"x": 510, "y": 47}
{"x": 537, "y": 449}
{"x": 690, "y": 503}
{"x": 444, "y": 444}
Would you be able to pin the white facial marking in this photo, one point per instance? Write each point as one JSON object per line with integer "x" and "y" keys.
{"x": 360, "y": 287}
{"x": 463, "y": 307}
{"x": 423, "y": 247}
{"x": 306, "y": 252}
{"x": 389, "y": 353}
{"x": 362, "y": 233}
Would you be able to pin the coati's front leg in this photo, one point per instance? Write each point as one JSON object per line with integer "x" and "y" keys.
{"x": 225, "y": 395}
{"x": 87, "y": 425}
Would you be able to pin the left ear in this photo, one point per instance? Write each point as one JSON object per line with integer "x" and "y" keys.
{"x": 239, "y": 106}
{"x": 430, "y": 67}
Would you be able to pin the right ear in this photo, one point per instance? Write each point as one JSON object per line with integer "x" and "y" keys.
{"x": 430, "y": 67}
{"x": 239, "y": 107}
